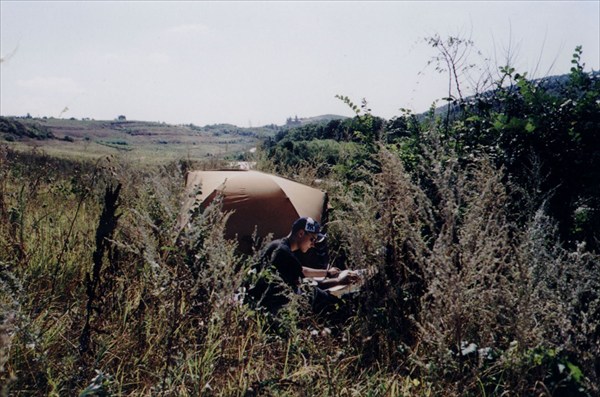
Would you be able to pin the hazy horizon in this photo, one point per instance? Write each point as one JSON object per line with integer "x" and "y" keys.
{"x": 258, "y": 63}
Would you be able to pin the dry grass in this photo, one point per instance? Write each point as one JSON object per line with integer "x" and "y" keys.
{"x": 462, "y": 300}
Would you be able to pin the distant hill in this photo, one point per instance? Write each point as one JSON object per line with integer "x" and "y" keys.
{"x": 297, "y": 121}
{"x": 325, "y": 117}
{"x": 22, "y": 128}
{"x": 551, "y": 85}
{"x": 141, "y": 139}
{"x": 55, "y": 128}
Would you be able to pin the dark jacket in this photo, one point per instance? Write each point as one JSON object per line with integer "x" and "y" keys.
{"x": 277, "y": 274}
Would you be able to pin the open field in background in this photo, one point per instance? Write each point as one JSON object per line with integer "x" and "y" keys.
{"x": 146, "y": 142}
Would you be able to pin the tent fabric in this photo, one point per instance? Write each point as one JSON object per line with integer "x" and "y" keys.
{"x": 261, "y": 201}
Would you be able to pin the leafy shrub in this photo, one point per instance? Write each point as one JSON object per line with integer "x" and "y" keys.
{"x": 17, "y": 129}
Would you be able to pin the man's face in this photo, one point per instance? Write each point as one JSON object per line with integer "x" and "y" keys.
{"x": 307, "y": 241}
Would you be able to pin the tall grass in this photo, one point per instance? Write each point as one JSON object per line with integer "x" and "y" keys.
{"x": 461, "y": 299}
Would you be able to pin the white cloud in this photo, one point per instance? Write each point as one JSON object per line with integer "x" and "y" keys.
{"x": 126, "y": 58}
{"x": 189, "y": 29}
{"x": 51, "y": 83}
{"x": 102, "y": 57}
{"x": 158, "y": 57}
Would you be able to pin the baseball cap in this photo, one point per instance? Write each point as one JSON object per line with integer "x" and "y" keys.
{"x": 310, "y": 225}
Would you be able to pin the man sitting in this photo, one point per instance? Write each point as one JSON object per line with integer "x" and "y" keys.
{"x": 280, "y": 271}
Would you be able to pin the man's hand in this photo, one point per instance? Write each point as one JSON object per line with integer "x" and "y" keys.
{"x": 333, "y": 272}
{"x": 347, "y": 277}
{"x": 318, "y": 273}
{"x": 332, "y": 277}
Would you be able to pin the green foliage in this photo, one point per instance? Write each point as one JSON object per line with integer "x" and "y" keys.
{"x": 521, "y": 124}
{"x": 98, "y": 387}
{"x": 447, "y": 209}
{"x": 17, "y": 130}
{"x": 555, "y": 125}
{"x": 554, "y": 373}
{"x": 344, "y": 147}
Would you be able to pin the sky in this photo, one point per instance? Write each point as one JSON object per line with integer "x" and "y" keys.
{"x": 256, "y": 63}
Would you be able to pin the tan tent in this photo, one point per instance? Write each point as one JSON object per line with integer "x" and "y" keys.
{"x": 260, "y": 201}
